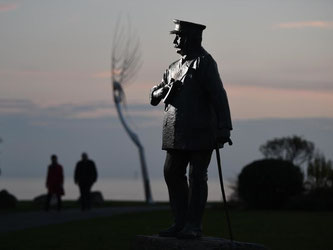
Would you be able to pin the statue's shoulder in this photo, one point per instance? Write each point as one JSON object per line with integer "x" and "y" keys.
{"x": 205, "y": 60}
{"x": 204, "y": 56}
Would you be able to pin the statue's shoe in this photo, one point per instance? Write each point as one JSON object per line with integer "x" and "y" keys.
{"x": 170, "y": 232}
{"x": 189, "y": 233}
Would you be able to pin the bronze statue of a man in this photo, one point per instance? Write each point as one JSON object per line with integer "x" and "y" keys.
{"x": 196, "y": 121}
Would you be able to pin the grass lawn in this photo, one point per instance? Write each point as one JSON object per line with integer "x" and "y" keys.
{"x": 278, "y": 230}
{"x": 28, "y": 205}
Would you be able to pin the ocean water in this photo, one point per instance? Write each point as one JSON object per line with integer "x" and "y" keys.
{"x": 111, "y": 188}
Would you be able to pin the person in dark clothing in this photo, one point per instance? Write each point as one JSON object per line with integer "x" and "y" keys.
{"x": 85, "y": 176}
{"x": 54, "y": 183}
{"x": 196, "y": 121}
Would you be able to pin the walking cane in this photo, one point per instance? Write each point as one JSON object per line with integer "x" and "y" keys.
{"x": 218, "y": 158}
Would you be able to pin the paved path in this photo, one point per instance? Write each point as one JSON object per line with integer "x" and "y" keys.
{"x": 18, "y": 221}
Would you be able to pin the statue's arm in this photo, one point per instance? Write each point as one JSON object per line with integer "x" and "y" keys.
{"x": 158, "y": 92}
{"x": 218, "y": 97}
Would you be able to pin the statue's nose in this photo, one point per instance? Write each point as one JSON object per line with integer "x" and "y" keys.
{"x": 175, "y": 41}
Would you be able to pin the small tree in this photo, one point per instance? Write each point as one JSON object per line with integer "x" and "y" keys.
{"x": 320, "y": 172}
{"x": 294, "y": 149}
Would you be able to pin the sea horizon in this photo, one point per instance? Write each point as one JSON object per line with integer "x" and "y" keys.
{"x": 27, "y": 188}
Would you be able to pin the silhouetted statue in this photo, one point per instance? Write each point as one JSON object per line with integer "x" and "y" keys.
{"x": 54, "y": 182}
{"x": 197, "y": 120}
{"x": 85, "y": 176}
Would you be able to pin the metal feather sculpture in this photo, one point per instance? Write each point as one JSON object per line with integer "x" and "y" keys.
{"x": 125, "y": 62}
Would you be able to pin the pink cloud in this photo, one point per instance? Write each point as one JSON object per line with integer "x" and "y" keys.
{"x": 8, "y": 7}
{"x": 308, "y": 24}
{"x": 42, "y": 75}
{"x": 105, "y": 74}
{"x": 252, "y": 102}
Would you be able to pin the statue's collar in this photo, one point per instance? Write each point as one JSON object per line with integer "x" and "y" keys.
{"x": 192, "y": 55}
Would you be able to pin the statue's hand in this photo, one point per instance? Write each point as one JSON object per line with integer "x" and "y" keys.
{"x": 161, "y": 92}
{"x": 223, "y": 136}
{"x": 157, "y": 94}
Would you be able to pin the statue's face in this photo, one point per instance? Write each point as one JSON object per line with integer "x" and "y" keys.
{"x": 180, "y": 43}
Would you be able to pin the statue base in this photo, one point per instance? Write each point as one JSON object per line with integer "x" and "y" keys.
{"x": 155, "y": 242}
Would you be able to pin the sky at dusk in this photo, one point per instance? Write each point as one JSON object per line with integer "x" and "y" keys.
{"x": 275, "y": 59}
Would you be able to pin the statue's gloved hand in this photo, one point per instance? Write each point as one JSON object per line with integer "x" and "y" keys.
{"x": 223, "y": 136}
{"x": 161, "y": 92}
{"x": 157, "y": 94}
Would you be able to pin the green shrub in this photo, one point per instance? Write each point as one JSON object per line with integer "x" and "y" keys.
{"x": 269, "y": 183}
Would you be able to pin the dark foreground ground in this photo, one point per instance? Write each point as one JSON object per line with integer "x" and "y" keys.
{"x": 99, "y": 229}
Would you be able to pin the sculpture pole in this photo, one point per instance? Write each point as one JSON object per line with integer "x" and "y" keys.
{"x": 117, "y": 95}
{"x": 125, "y": 62}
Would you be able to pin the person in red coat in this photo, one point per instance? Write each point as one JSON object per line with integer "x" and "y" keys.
{"x": 54, "y": 182}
